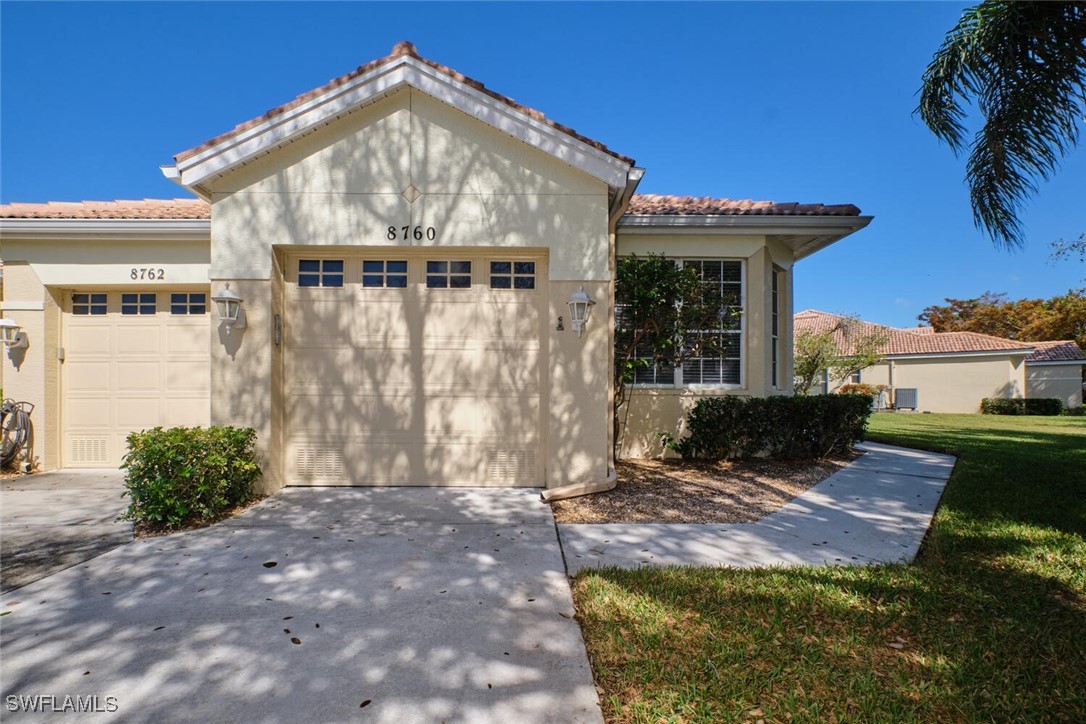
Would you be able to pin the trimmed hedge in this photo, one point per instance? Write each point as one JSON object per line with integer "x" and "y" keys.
{"x": 185, "y": 475}
{"x": 1031, "y": 406}
{"x": 812, "y": 426}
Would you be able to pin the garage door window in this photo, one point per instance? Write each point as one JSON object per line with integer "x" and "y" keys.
{"x": 89, "y": 304}
{"x": 512, "y": 275}
{"x": 320, "y": 272}
{"x": 376, "y": 274}
{"x": 448, "y": 274}
{"x": 185, "y": 303}
{"x": 136, "y": 304}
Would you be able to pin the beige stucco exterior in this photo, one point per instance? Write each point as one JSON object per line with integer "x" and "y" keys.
{"x": 414, "y": 385}
{"x": 1063, "y": 381}
{"x": 951, "y": 383}
{"x": 654, "y": 410}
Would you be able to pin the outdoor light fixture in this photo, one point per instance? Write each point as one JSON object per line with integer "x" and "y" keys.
{"x": 230, "y": 312}
{"x": 580, "y": 309}
{"x": 12, "y": 334}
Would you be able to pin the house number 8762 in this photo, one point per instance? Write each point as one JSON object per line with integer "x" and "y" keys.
{"x": 148, "y": 273}
{"x": 418, "y": 233}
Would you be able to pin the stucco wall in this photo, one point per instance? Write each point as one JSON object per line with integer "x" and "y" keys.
{"x": 344, "y": 184}
{"x": 652, "y": 410}
{"x": 1062, "y": 381}
{"x": 958, "y": 384}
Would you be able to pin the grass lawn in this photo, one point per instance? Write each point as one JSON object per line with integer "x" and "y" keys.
{"x": 989, "y": 624}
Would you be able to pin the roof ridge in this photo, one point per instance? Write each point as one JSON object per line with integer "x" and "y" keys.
{"x": 403, "y": 48}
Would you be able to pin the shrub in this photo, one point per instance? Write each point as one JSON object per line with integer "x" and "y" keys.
{"x": 185, "y": 475}
{"x": 1031, "y": 406}
{"x": 858, "y": 388}
{"x": 810, "y": 426}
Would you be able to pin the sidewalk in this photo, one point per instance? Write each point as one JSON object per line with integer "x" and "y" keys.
{"x": 876, "y": 510}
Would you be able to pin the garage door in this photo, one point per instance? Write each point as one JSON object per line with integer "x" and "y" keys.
{"x": 413, "y": 369}
{"x": 132, "y": 361}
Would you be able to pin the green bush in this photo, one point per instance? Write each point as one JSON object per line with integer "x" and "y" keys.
{"x": 1032, "y": 406}
{"x": 811, "y": 426}
{"x": 185, "y": 475}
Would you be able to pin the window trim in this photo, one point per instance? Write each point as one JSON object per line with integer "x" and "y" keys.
{"x": 679, "y": 384}
{"x": 139, "y": 304}
{"x": 90, "y": 304}
{"x": 512, "y": 275}
{"x": 321, "y": 273}
{"x": 448, "y": 274}
{"x": 384, "y": 274}
{"x": 188, "y": 304}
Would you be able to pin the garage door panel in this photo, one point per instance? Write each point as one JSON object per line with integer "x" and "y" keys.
{"x": 137, "y": 413}
{"x": 138, "y": 376}
{"x": 192, "y": 376}
{"x": 512, "y": 321}
{"x": 137, "y": 338}
{"x": 123, "y": 373}
{"x": 90, "y": 377}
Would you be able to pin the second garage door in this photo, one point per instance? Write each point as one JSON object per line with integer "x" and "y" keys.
{"x": 413, "y": 369}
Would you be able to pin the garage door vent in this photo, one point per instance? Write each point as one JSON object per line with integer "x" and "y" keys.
{"x": 88, "y": 451}
{"x": 511, "y": 465}
{"x": 316, "y": 462}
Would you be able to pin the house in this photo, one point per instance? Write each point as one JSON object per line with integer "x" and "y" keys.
{"x": 415, "y": 276}
{"x": 953, "y": 371}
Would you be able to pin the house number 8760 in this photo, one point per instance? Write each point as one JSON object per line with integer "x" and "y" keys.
{"x": 418, "y": 233}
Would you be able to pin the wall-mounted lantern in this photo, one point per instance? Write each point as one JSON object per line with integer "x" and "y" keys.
{"x": 580, "y": 309}
{"x": 230, "y": 311}
{"x": 12, "y": 334}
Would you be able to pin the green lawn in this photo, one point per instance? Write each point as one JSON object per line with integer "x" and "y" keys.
{"x": 989, "y": 624}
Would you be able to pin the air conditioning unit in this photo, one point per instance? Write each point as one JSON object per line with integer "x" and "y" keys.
{"x": 905, "y": 398}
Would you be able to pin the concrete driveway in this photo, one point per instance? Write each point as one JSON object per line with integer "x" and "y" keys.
{"x": 390, "y": 605}
{"x": 51, "y": 521}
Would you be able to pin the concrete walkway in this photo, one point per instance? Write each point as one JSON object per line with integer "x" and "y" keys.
{"x": 384, "y": 605}
{"x": 875, "y": 510}
{"x": 55, "y": 520}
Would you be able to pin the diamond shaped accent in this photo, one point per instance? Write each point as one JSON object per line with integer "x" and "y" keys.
{"x": 411, "y": 194}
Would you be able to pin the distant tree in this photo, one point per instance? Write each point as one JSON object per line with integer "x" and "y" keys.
{"x": 1069, "y": 249}
{"x": 662, "y": 310}
{"x": 1025, "y": 320}
{"x": 1023, "y": 64}
{"x": 819, "y": 352}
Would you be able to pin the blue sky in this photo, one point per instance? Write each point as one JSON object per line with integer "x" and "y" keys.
{"x": 807, "y": 102}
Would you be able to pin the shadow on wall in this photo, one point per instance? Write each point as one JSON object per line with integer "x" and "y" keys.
{"x": 352, "y": 380}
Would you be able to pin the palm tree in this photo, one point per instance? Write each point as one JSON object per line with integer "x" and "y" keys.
{"x": 1024, "y": 66}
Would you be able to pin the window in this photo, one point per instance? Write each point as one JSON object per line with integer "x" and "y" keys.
{"x": 320, "y": 273}
{"x": 854, "y": 378}
{"x": 726, "y": 277}
{"x": 775, "y": 328}
{"x": 512, "y": 275}
{"x": 725, "y": 368}
{"x": 139, "y": 304}
{"x": 89, "y": 304}
{"x": 384, "y": 273}
{"x": 448, "y": 274}
{"x": 188, "y": 303}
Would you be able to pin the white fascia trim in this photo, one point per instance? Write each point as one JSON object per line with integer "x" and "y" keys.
{"x": 741, "y": 223}
{"x": 939, "y": 355}
{"x": 380, "y": 82}
{"x": 1039, "y": 363}
{"x": 17, "y": 306}
{"x": 157, "y": 229}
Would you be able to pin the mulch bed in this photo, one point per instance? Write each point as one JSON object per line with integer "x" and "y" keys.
{"x": 667, "y": 491}
{"x": 146, "y": 529}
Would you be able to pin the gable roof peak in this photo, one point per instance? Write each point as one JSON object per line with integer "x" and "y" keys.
{"x": 404, "y": 47}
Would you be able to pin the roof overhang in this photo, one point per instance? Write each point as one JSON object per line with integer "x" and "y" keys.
{"x": 111, "y": 229}
{"x": 982, "y": 353}
{"x": 1055, "y": 362}
{"x": 804, "y": 235}
{"x": 194, "y": 171}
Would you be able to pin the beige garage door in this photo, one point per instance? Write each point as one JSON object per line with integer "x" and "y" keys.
{"x": 413, "y": 369}
{"x": 133, "y": 361}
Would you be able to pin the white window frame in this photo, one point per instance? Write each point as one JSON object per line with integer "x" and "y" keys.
{"x": 384, "y": 274}
{"x": 679, "y": 384}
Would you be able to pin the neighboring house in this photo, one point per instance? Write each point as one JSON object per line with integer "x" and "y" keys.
{"x": 953, "y": 371}
{"x": 409, "y": 247}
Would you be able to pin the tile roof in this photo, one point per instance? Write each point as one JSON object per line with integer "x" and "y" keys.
{"x": 660, "y": 205}
{"x": 908, "y": 341}
{"x": 403, "y": 48}
{"x": 1058, "y": 351}
{"x": 640, "y": 204}
{"x": 145, "y": 209}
